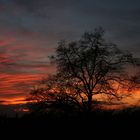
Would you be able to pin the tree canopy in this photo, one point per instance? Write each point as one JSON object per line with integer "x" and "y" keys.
{"x": 85, "y": 68}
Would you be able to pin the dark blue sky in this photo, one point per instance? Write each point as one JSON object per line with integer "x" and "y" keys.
{"x": 30, "y": 30}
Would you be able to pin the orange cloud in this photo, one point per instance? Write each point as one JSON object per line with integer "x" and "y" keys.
{"x": 15, "y": 100}
{"x": 15, "y": 87}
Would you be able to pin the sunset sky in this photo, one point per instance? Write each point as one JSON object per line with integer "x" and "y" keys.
{"x": 31, "y": 29}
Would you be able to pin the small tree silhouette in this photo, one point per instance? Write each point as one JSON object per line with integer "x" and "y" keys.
{"x": 85, "y": 68}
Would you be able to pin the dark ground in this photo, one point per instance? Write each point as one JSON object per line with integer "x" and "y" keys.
{"x": 99, "y": 124}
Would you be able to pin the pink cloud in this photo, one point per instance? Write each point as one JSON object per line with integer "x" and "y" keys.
{"x": 4, "y": 58}
{"x": 22, "y": 64}
{"x": 6, "y": 42}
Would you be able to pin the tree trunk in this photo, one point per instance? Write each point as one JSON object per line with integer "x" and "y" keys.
{"x": 89, "y": 103}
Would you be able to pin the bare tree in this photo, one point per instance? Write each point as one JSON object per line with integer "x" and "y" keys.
{"x": 57, "y": 91}
{"x": 86, "y": 68}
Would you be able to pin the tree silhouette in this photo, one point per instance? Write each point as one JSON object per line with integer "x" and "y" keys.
{"x": 86, "y": 68}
